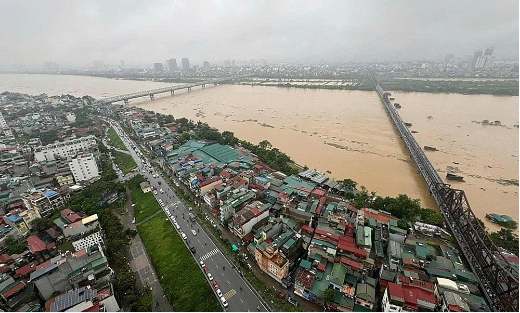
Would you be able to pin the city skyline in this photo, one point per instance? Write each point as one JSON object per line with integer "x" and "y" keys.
{"x": 306, "y": 32}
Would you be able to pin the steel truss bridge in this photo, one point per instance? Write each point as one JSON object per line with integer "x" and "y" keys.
{"x": 498, "y": 280}
{"x": 172, "y": 89}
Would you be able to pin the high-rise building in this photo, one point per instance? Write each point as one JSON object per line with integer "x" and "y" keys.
{"x": 206, "y": 65}
{"x": 122, "y": 62}
{"x": 158, "y": 67}
{"x": 3, "y": 123}
{"x": 51, "y": 66}
{"x": 185, "y": 64}
{"x": 172, "y": 65}
{"x": 482, "y": 59}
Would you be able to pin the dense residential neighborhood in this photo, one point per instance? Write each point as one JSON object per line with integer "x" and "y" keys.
{"x": 62, "y": 169}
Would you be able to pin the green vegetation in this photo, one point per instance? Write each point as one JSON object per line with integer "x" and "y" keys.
{"x": 15, "y": 246}
{"x": 115, "y": 140}
{"x": 145, "y": 203}
{"x": 23, "y": 138}
{"x": 124, "y": 161}
{"x": 507, "y": 87}
{"x": 182, "y": 279}
{"x": 506, "y": 239}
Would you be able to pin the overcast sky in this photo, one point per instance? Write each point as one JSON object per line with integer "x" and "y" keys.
{"x": 78, "y": 32}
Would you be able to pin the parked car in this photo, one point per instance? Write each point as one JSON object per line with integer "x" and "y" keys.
{"x": 193, "y": 250}
{"x": 202, "y": 264}
{"x": 219, "y": 293}
{"x": 183, "y": 235}
{"x": 210, "y": 277}
{"x": 224, "y": 302}
{"x": 206, "y": 270}
{"x": 194, "y": 232}
{"x": 215, "y": 285}
{"x": 292, "y": 301}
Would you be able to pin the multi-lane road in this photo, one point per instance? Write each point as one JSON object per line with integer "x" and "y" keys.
{"x": 233, "y": 287}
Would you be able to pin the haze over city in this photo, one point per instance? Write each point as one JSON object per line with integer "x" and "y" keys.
{"x": 76, "y": 33}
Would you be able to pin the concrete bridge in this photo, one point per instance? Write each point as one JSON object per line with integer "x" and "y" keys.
{"x": 498, "y": 280}
{"x": 172, "y": 89}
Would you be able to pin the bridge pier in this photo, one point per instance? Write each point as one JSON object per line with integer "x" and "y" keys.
{"x": 189, "y": 88}
{"x": 126, "y": 101}
{"x": 151, "y": 96}
{"x": 172, "y": 92}
{"x": 203, "y": 86}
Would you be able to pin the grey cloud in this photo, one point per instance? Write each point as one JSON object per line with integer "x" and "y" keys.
{"x": 79, "y": 32}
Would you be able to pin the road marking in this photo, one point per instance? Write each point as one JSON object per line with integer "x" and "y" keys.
{"x": 230, "y": 294}
{"x": 227, "y": 280}
{"x": 242, "y": 300}
{"x": 222, "y": 273}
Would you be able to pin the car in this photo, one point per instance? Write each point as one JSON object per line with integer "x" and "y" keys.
{"x": 133, "y": 221}
{"x": 206, "y": 270}
{"x": 292, "y": 301}
{"x": 194, "y": 232}
{"x": 169, "y": 214}
{"x": 210, "y": 277}
{"x": 219, "y": 293}
{"x": 215, "y": 285}
{"x": 249, "y": 266}
{"x": 193, "y": 250}
{"x": 155, "y": 192}
{"x": 183, "y": 235}
{"x": 162, "y": 191}
{"x": 202, "y": 264}
{"x": 177, "y": 226}
{"x": 224, "y": 302}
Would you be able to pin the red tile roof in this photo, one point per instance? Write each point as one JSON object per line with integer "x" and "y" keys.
{"x": 210, "y": 181}
{"x": 305, "y": 278}
{"x": 395, "y": 290}
{"x": 4, "y": 258}
{"x": 308, "y": 229}
{"x": 94, "y": 308}
{"x": 354, "y": 265}
{"x": 378, "y": 216}
{"x": 25, "y": 270}
{"x": 411, "y": 294}
{"x": 318, "y": 192}
{"x": 13, "y": 290}
{"x": 36, "y": 244}
{"x": 320, "y": 205}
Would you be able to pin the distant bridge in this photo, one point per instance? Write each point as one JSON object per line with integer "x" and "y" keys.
{"x": 172, "y": 89}
{"x": 498, "y": 280}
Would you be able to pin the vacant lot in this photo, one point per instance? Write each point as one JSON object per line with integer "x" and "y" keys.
{"x": 124, "y": 161}
{"x": 183, "y": 282}
{"x": 145, "y": 203}
{"x": 115, "y": 140}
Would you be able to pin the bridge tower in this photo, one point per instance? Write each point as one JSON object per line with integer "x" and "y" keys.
{"x": 172, "y": 92}
{"x": 151, "y": 96}
{"x": 126, "y": 101}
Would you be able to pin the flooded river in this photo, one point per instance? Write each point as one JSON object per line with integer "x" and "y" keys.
{"x": 346, "y": 132}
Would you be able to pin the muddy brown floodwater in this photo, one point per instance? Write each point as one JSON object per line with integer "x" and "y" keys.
{"x": 346, "y": 132}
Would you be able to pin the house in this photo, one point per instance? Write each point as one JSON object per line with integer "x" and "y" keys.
{"x": 145, "y": 187}
{"x": 244, "y": 220}
{"x": 398, "y": 297}
{"x": 365, "y": 296}
{"x": 452, "y": 302}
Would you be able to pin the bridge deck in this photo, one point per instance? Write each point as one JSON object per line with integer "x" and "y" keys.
{"x": 498, "y": 280}
{"x": 160, "y": 90}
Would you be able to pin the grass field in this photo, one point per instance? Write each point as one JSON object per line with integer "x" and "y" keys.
{"x": 115, "y": 140}
{"x": 124, "y": 161}
{"x": 183, "y": 282}
{"x": 145, "y": 203}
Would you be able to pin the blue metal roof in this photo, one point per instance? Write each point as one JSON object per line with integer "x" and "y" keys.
{"x": 195, "y": 182}
{"x": 50, "y": 193}
{"x": 206, "y": 169}
{"x": 14, "y": 218}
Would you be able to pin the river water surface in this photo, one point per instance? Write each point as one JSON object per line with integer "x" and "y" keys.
{"x": 345, "y": 132}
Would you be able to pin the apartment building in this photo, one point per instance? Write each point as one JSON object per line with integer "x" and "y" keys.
{"x": 66, "y": 150}
{"x": 84, "y": 167}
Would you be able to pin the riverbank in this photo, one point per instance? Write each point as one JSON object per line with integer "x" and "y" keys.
{"x": 496, "y": 87}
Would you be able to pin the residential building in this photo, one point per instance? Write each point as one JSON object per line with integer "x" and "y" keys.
{"x": 158, "y": 67}
{"x": 271, "y": 262}
{"x": 244, "y": 220}
{"x": 87, "y": 242}
{"x": 84, "y": 167}
{"x": 65, "y": 150}
{"x": 3, "y": 123}
{"x": 145, "y": 187}
{"x": 46, "y": 202}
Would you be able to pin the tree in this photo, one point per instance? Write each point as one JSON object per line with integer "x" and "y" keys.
{"x": 349, "y": 183}
{"x": 41, "y": 223}
{"x": 506, "y": 239}
{"x": 15, "y": 246}
{"x": 328, "y": 296}
{"x": 264, "y": 144}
